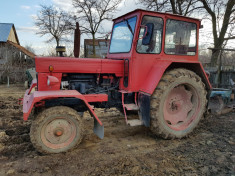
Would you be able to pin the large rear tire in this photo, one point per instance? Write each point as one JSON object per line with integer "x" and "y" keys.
{"x": 56, "y": 129}
{"x": 177, "y": 104}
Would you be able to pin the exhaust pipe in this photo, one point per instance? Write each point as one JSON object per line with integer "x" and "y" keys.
{"x": 77, "y": 35}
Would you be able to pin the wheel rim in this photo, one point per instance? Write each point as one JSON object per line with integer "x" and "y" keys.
{"x": 58, "y": 133}
{"x": 181, "y": 107}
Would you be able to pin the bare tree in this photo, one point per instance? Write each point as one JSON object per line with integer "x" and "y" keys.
{"x": 30, "y": 48}
{"x": 54, "y": 22}
{"x": 180, "y": 7}
{"x": 92, "y": 13}
{"x": 220, "y": 11}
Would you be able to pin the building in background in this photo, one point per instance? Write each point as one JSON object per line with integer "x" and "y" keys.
{"x": 101, "y": 48}
{"x": 14, "y": 59}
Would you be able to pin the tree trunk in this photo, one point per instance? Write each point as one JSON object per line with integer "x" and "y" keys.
{"x": 219, "y": 39}
{"x": 57, "y": 42}
{"x": 218, "y": 75}
{"x": 214, "y": 57}
{"x": 93, "y": 45}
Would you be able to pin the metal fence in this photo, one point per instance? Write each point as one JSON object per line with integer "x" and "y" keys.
{"x": 225, "y": 78}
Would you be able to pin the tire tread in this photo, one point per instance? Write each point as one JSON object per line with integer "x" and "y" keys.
{"x": 165, "y": 81}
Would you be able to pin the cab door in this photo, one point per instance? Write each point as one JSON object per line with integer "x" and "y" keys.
{"x": 148, "y": 49}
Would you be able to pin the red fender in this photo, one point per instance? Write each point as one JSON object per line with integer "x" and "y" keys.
{"x": 30, "y": 99}
{"x": 156, "y": 72}
{"x": 154, "y": 77}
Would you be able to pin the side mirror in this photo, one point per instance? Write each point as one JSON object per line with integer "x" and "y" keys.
{"x": 148, "y": 33}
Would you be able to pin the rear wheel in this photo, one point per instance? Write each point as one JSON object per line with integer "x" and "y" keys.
{"x": 177, "y": 104}
{"x": 57, "y": 129}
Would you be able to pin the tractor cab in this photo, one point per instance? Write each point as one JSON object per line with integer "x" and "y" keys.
{"x": 147, "y": 32}
{"x": 144, "y": 38}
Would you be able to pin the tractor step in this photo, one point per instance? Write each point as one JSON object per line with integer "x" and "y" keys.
{"x": 131, "y": 107}
{"x": 135, "y": 122}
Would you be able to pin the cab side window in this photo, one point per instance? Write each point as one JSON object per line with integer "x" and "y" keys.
{"x": 180, "y": 37}
{"x": 156, "y": 40}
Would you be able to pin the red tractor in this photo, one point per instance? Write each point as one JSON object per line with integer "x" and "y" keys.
{"x": 151, "y": 68}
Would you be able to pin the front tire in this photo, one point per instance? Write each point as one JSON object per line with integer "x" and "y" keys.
{"x": 177, "y": 104}
{"x": 56, "y": 129}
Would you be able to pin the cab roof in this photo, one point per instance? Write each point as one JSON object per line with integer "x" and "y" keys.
{"x": 153, "y": 12}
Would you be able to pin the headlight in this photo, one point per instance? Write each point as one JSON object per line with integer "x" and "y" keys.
{"x": 48, "y": 81}
{"x": 52, "y": 80}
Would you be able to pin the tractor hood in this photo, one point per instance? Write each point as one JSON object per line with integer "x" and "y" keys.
{"x": 79, "y": 65}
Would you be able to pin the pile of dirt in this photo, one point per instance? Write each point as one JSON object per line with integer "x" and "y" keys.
{"x": 123, "y": 151}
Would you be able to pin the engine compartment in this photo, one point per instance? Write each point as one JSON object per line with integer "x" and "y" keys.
{"x": 94, "y": 84}
{"x": 89, "y": 83}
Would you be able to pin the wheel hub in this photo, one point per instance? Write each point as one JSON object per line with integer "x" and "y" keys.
{"x": 178, "y": 106}
{"x": 58, "y": 133}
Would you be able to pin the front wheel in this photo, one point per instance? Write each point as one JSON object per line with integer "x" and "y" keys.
{"x": 177, "y": 104}
{"x": 57, "y": 129}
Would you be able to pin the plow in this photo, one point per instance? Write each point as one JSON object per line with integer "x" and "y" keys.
{"x": 220, "y": 99}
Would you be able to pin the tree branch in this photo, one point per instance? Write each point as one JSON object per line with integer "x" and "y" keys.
{"x": 229, "y": 38}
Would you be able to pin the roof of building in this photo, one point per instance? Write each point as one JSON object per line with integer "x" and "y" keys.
{"x": 5, "y": 29}
{"x": 6, "y": 37}
{"x": 22, "y": 49}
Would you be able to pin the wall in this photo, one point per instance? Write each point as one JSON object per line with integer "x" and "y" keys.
{"x": 12, "y": 36}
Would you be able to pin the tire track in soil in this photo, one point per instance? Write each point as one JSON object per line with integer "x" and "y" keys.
{"x": 124, "y": 150}
{"x": 14, "y": 131}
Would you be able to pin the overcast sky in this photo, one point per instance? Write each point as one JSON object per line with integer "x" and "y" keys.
{"x": 22, "y": 12}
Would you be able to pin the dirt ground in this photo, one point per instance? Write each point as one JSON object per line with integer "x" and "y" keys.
{"x": 125, "y": 150}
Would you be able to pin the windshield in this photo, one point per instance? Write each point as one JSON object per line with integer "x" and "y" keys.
{"x": 122, "y": 36}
